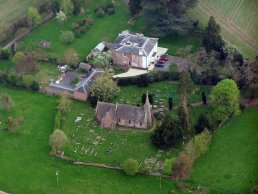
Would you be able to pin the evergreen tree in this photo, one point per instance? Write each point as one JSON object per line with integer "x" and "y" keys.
{"x": 204, "y": 98}
{"x": 170, "y": 103}
{"x": 167, "y": 134}
{"x": 212, "y": 39}
{"x": 135, "y": 6}
{"x": 143, "y": 98}
{"x": 168, "y": 17}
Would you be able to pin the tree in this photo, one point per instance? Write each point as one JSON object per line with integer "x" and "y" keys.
{"x": 101, "y": 59}
{"x": 64, "y": 104}
{"x": 186, "y": 86}
{"x": 6, "y": 102}
{"x": 168, "y": 134}
{"x": 67, "y": 37}
{"x": 143, "y": 80}
{"x": 164, "y": 18}
{"x": 131, "y": 166}
{"x": 57, "y": 140}
{"x": 104, "y": 88}
{"x": 5, "y": 54}
{"x": 144, "y": 98}
{"x": 204, "y": 98}
{"x": 93, "y": 101}
{"x": 71, "y": 57}
{"x": 61, "y": 17}
{"x": 135, "y": 6}
{"x": 212, "y": 39}
{"x": 184, "y": 116}
{"x": 205, "y": 121}
{"x": 66, "y": 6}
{"x": 77, "y": 6}
{"x": 34, "y": 19}
{"x": 18, "y": 58}
{"x": 224, "y": 97}
{"x": 170, "y": 103}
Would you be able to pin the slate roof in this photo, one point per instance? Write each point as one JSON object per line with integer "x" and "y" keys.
{"x": 136, "y": 44}
{"x": 121, "y": 111}
{"x": 83, "y": 86}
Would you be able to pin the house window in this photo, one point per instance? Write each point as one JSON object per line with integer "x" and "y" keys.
{"x": 129, "y": 122}
{"x": 119, "y": 120}
{"x": 124, "y": 55}
{"x": 140, "y": 123}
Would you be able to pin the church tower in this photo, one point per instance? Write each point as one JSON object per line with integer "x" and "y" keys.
{"x": 147, "y": 108}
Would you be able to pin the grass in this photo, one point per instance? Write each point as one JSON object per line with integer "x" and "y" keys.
{"x": 11, "y": 10}
{"x": 231, "y": 164}
{"x": 242, "y": 15}
{"x": 133, "y": 94}
{"x": 26, "y": 166}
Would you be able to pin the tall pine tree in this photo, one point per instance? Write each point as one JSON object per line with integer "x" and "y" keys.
{"x": 212, "y": 39}
{"x": 135, "y": 6}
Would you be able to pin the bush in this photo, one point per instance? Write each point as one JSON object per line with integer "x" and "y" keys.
{"x": 110, "y": 11}
{"x": 89, "y": 20}
{"x": 168, "y": 166}
{"x": 77, "y": 33}
{"x": 100, "y": 12}
{"x": 5, "y": 54}
{"x": 28, "y": 80}
{"x": 82, "y": 29}
{"x": 182, "y": 166}
{"x": 75, "y": 25}
{"x": 131, "y": 167}
{"x": 67, "y": 37}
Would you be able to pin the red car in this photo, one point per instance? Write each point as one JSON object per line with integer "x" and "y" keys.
{"x": 163, "y": 58}
{"x": 161, "y": 61}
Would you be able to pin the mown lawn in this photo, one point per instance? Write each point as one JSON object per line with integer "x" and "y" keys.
{"x": 26, "y": 166}
{"x": 231, "y": 164}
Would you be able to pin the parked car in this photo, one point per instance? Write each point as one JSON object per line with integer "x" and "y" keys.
{"x": 161, "y": 61}
{"x": 159, "y": 65}
{"x": 164, "y": 58}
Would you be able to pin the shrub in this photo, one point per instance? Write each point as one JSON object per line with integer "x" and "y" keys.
{"x": 75, "y": 25}
{"x": 5, "y": 54}
{"x": 131, "y": 167}
{"x": 100, "y": 12}
{"x": 93, "y": 101}
{"x": 82, "y": 29}
{"x": 110, "y": 11}
{"x": 89, "y": 20}
{"x": 77, "y": 33}
{"x": 57, "y": 140}
{"x": 168, "y": 166}
{"x": 182, "y": 166}
{"x": 28, "y": 80}
{"x": 67, "y": 37}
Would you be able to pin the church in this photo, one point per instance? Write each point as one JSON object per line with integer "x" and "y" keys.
{"x": 112, "y": 115}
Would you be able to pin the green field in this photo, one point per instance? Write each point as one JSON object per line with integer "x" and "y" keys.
{"x": 26, "y": 166}
{"x": 231, "y": 164}
{"x": 238, "y": 21}
{"x": 11, "y": 10}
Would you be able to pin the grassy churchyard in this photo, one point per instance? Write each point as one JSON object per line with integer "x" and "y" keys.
{"x": 27, "y": 167}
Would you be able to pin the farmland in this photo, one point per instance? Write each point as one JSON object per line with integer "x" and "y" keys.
{"x": 11, "y": 10}
{"x": 237, "y": 20}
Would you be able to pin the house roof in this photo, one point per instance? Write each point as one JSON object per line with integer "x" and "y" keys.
{"x": 136, "y": 44}
{"x": 121, "y": 111}
{"x": 84, "y": 84}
